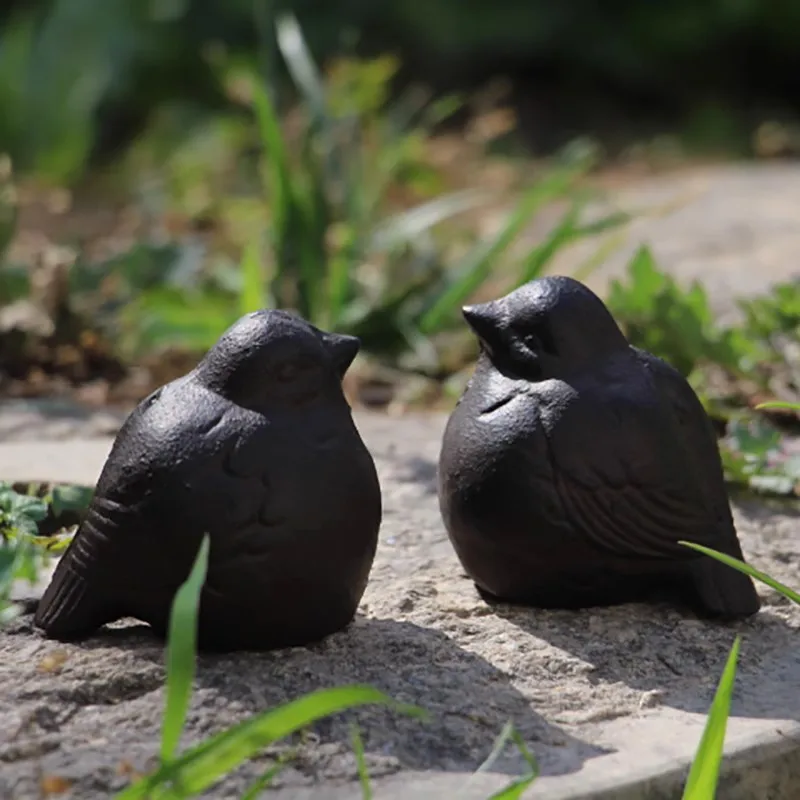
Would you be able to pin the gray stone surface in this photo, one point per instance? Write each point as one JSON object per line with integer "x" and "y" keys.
{"x": 733, "y": 226}
{"x": 612, "y": 701}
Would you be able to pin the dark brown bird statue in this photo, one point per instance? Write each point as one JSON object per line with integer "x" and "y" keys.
{"x": 258, "y": 448}
{"x": 574, "y": 463}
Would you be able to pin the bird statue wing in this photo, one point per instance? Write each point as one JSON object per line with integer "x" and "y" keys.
{"x": 636, "y": 481}
{"x": 153, "y": 500}
{"x": 698, "y": 437}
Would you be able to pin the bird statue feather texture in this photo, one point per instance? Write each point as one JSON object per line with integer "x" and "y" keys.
{"x": 258, "y": 448}
{"x": 574, "y": 463}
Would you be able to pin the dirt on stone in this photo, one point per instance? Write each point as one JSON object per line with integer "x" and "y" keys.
{"x": 88, "y": 714}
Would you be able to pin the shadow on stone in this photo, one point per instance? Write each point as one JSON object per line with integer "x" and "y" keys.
{"x": 662, "y": 648}
{"x": 468, "y": 699}
{"x": 115, "y": 684}
{"x": 418, "y": 470}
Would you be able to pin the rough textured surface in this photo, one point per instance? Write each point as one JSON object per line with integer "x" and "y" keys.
{"x": 234, "y": 449}
{"x": 612, "y": 701}
{"x": 601, "y": 460}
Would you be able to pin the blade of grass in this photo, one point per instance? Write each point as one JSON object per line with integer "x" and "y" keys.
{"x": 778, "y": 404}
{"x": 704, "y": 774}
{"x": 537, "y": 259}
{"x": 405, "y": 226}
{"x": 514, "y": 790}
{"x": 311, "y": 197}
{"x": 277, "y": 159}
{"x": 361, "y": 763}
{"x": 476, "y": 267}
{"x": 791, "y": 594}
{"x": 309, "y": 237}
{"x": 253, "y": 294}
{"x": 300, "y": 63}
{"x": 181, "y": 652}
{"x": 264, "y": 781}
{"x": 204, "y": 764}
{"x": 600, "y": 256}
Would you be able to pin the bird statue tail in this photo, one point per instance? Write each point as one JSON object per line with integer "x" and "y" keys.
{"x": 723, "y": 590}
{"x": 69, "y": 608}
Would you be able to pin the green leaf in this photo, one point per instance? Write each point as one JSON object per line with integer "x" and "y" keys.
{"x": 561, "y": 235}
{"x": 23, "y": 526}
{"x": 404, "y": 227}
{"x": 204, "y": 764}
{"x": 70, "y": 498}
{"x": 263, "y": 781}
{"x": 253, "y": 295}
{"x": 735, "y": 563}
{"x": 8, "y": 555}
{"x": 778, "y": 404}
{"x": 301, "y": 64}
{"x": 704, "y": 774}
{"x": 517, "y": 786}
{"x": 361, "y": 763}
{"x": 194, "y": 320}
{"x": 478, "y": 264}
{"x": 28, "y": 506}
{"x": 277, "y": 159}
{"x": 181, "y": 652}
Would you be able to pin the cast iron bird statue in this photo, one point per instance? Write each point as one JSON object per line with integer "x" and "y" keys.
{"x": 258, "y": 448}
{"x": 574, "y": 463}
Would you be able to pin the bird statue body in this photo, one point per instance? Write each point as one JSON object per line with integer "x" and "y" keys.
{"x": 256, "y": 447}
{"x": 574, "y": 464}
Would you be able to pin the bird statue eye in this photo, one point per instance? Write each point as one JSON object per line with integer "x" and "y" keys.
{"x": 532, "y": 342}
{"x": 288, "y": 371}
{"x": 540, "y": 341}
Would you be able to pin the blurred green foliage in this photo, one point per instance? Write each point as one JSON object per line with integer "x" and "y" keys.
{"x": 316, "y": 218}
{"x": 80, "y": 77}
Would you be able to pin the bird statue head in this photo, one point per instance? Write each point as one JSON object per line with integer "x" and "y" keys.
{"x": 544, "y": 328}
{"x": 275, "y": 359}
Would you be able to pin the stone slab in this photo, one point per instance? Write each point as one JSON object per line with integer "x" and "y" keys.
{"x": 611, "y": 701}
{"x": 732, "y": 226}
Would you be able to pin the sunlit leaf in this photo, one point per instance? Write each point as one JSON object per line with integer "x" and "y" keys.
{"x": 361, "y": 764}
{"x": 253, "y": 295}
{"x": 181, "y": 652}
{"x": 468, "y": 275}
{"x": 204, "y": 764}
{"x": 704, "y": 774}
{"x": 735, "y": 563}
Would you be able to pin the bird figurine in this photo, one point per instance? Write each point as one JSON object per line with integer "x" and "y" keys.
{"x": 574, "y": 463}
{"x": 257, "y": 447}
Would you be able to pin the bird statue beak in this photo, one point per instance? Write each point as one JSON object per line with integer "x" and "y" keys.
{"x": 342, "y": 349}
{"x": 483, "y": 321}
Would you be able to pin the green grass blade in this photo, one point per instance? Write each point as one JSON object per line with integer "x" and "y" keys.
{"x": 277, "y": 159}
{"x": 309, "y": 237}
{"x": 612, "y": 243}
{"x": 779, "y": 404}
{"x": 561, "y": 235}
{"x": 181, "y": 652}
{"x": 206, "y": 763}
{"x": 361, "y": 764}
{"x": 704, "y": 774}
{"x": 476, "y": 267}
{"x": 405, "y": 226}
{"x": 341, "y": 266}
{"x": 517, "y": 786}
{"x": 791, "y": 594}
{"x": 263, "y": 781}
{"x": 253, "y": 295}
{"x": 300, "y": 64}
